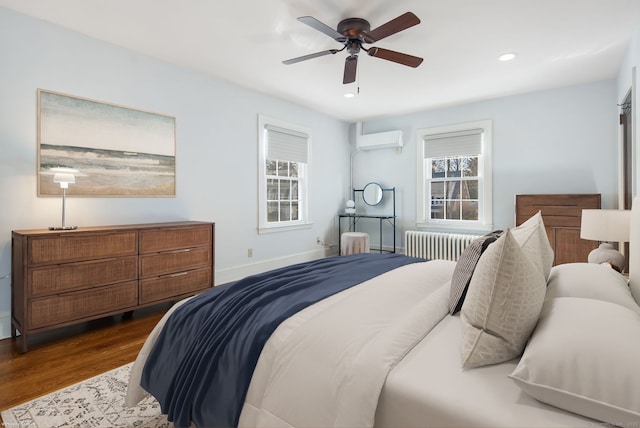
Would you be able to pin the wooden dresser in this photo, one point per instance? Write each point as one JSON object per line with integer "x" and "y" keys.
{"x": 562, "y": 215}
{"x": 67, "y": 277}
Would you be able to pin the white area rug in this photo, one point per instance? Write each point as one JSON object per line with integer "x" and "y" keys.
{"x": 95, "y": 402}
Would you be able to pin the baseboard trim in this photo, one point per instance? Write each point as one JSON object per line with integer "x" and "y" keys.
{"x": 5, "y": 325}
{"x": 235, "y": 273}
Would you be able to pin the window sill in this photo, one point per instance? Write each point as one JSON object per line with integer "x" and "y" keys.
{"x": 283, "y": 228}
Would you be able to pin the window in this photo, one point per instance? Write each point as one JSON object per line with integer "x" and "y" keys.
{"x": 454, "y": 176}
{"x": 283, "y": 171}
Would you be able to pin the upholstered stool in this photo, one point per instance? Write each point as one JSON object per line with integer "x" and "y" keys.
{"x": 354, "y": 243}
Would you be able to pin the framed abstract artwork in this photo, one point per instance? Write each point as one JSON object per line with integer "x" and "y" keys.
{"x": 112, "y": 150}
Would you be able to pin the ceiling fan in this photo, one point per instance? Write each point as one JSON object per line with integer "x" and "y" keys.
{"x": 353, "y": 33}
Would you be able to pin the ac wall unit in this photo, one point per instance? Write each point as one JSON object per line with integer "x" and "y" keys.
{"x": 380, "y": 140}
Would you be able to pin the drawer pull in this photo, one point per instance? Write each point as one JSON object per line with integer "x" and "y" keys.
{"x": 173, "y": 275}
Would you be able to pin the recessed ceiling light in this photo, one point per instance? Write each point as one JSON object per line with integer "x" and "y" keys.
{"x": 507, "y": 56}
{"x": 349, "y": 95}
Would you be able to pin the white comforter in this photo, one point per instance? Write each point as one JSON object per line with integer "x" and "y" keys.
{"x": 326, "y": 365}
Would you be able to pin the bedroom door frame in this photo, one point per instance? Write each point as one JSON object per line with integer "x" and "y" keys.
{"x": 627, "y": 183}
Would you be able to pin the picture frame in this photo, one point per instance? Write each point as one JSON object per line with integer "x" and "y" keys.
{"x": 115, "y": 151}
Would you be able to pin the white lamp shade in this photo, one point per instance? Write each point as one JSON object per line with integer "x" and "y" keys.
{"x": 605, "y": 225}
{"x": 64, "y": 178}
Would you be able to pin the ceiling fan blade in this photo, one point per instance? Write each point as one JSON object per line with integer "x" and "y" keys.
{"x": 310, "y": 56}
{"x": 350, "y": 66}
{"x": 396, "y": 25}
{"x": 323, "y": 28}
{"x": 400, "y": 58}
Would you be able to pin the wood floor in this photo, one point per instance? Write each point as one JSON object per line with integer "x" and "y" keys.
{"x": 62, "y": 357}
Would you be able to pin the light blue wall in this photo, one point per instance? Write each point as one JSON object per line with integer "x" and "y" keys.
{"x": 216, "y": 150}
{"x": 557, "y": 141}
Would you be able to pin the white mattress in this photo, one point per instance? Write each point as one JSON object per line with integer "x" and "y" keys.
{"x": 428, "y": 388}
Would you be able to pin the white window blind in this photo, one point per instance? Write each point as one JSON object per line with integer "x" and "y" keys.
{"x": 286, "y": 144}
{"x": 462, "y": 143}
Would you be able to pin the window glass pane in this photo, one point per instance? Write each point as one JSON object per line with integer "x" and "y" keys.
{"x": 438, "y": 167}
{"x": 437, "y": 209}
{"x": 294, "y": 211}
{"x": 272, "y": 212}
{"x": 294, "y": 190}
{"x": 453, "y": 189}
{"x": 469, "y": 210}
{"x": 470, "y": 189}
{"x": 470, "y": 167}
{"x": 285, "y": 190}
{"x": 283, "y": 168}
{"x": 293, "y": 170}
{"x": 271, "y": 167}
{"x": 437, "y": 190}
{"x": 453, "y": 210}
{"x": 285, "y": 211}
{"x": 454, "y": 167}
{"x": 272, "y": 189}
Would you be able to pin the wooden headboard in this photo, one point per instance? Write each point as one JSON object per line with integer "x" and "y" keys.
{"x": 562, "y": 215}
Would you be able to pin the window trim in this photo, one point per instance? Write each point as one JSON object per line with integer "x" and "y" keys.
{"x": 305, "y": 212}
{"x": 485, "y": 221}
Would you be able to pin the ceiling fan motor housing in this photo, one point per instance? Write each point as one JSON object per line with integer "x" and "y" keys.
{"x": 354, "y": 28}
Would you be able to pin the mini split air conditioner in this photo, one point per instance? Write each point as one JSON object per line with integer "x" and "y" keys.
{"x": 380, "y": 140}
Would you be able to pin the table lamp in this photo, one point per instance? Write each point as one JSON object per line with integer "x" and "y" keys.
{"x": 64, "y": 176}
{"x": 609, "y": 226}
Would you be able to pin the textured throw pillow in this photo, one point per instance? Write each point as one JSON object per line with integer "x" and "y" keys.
{"x": 533, "y": 239}
{"x": 591, "y": 281}
{"x": 465, "y": 266}
{"x": 583, "y": 357}
{"x": 502, "y": 305}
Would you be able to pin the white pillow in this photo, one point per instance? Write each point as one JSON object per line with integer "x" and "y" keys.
{"x": 583, "y": 357}
{"x": 592, "y": 281}
{"x": 533, "y": 239}
{"x": 502, "y": 305}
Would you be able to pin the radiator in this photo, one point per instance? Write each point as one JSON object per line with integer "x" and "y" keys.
{"x": 436, "y": 245}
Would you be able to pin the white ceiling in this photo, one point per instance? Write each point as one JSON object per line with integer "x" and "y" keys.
{"x": 559, "y": 43}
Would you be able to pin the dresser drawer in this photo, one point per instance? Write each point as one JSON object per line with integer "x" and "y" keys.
{"x": 166, "y": 239}
{"x": 68, "y": 307}
{"x": 168, "y": 286}
{"x": 174, "y": 261}
{"x": 75, "y": 276}
{"x": 73, "y": 247}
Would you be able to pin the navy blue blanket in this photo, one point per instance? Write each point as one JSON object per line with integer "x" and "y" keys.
{"x": 202, "y": 363}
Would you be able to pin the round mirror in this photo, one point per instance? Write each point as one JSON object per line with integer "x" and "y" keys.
{"x": 372, "y": 194}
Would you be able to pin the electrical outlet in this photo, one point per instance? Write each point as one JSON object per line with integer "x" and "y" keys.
{"x": 250, "y": 252}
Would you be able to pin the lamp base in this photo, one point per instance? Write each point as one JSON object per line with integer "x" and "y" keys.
{"x": 63, "y": 227}
{"x": 605, "y": 253}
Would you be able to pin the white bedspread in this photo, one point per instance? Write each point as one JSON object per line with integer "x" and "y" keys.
{"x": 326, "y": 366}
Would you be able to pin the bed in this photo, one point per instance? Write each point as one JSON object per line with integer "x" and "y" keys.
{"x": 498, "y": 339}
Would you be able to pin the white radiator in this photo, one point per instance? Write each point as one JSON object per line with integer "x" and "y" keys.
{"x": 436, "y": 245}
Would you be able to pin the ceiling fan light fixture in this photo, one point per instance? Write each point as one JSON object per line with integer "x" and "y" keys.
{"x": 507, "y": 56}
